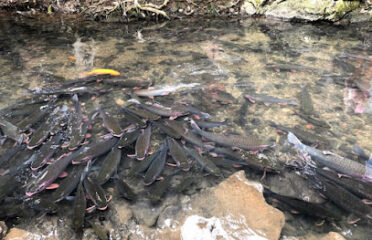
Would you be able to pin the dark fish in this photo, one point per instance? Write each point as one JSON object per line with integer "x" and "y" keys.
{"x": 359, "y": 188}
{"x": 269, "y": 99}
{"x": 4, "y": 158}
{"x": 333, "y": 161}
{"x": 178, "y": 154}
{"x": 144, "y": 165}
{"x": 143, "y": 143}
{"x": 126, "y": 83}
{"x": 86, "y": 80}
{"x": 124, "y": 190}
{"x": 323, "y": 211}
{"x": 96, "y": 194}
{"x": 186, "y": 182}
{"x": 38, "y": 136}
{"x": 243, "y": 142}
{"x": 109, "y": 166}
{"x": 75, "y": 122}
{"x": 51, "y": 173}
{"x": 99, "y": 230}
{"x": 162, "y": 111}
{"x": 68, "y": 184}
{"x": 225, "y": 162}
{"x": 42, "y": 156}
{"x": 134, "y": 119}
{"x": 205, "y": 163}
{"x": 29, "y": 121}
{"x": 79, "y": 133}
{"x": 205, "y": 124}
{"x": 193, "y": 110}
{"x": 193, "y": 139}
{"x": 346, "y": 200}
{"x": 305, "y": 136}
{"x": 146, "y": 115}
{"x": 111, "y": 124}
{"x": 24, "y": 111}
{"x": 128, "y": 138}
{"x": 80, "y": 204}
{"x": 292, "y": 68}
{"x": 177, "y": 126}
{"x": 306, "y": 103}
{"x": 67, "y": 91}
{"x": 156, "y": 166}
{"x": 166, "y": 129}
{"x": 27, "y": 102}
{"x": 8, "y": 184}
{"x": 10, "y": 130}
{"x": 357, "y": 150}
{"x": 49, "y": 128}
{"x": 159, "y": 188}
{"x": 223, "y": 97}
{"x": 94, "y": 150}
{"x": 349, "y": 55}
{"x": 43, "y": 205}
{"x": 314, "y": 121}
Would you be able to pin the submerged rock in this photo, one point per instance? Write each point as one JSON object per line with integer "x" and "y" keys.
{"x": 20, "y": 234}
{"x": 235, "y": 209}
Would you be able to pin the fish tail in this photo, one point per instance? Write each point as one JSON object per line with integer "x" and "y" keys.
{"x": 294, "y": 140}
{"x": 194, "y": 125}
{"x": 272, "y": 124}
{"x": 75, "y": 98}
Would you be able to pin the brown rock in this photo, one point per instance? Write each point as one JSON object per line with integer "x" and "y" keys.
{"x": 235, "y": 209}
{"x": 19, "y": 234}
{"x": 333, "y": 236}
{"x": 241, "y": 202}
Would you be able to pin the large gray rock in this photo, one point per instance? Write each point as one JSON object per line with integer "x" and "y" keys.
{"x": 308, "y": 10}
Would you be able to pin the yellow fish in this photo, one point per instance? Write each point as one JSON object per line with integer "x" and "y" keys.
{"x": 101, "y": 71}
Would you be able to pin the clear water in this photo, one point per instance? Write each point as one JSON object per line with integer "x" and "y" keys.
{"x": 237, "y": 56}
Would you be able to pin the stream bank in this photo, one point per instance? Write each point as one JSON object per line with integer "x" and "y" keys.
{"x": 345, "y": 11}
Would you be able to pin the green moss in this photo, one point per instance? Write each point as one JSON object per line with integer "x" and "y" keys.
{"x": 341, "y": 8}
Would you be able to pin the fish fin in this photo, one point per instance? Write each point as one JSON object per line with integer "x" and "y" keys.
{"x": 90, "y": 209}
{"x": 102, "y": 208}
{"x": 293, "y": 139}
{"x": 197, "y": 117}
{"x": 53, "y": 186}
{"x": 75, "y": 98}
{"x": 352, "y": 219}
{"x": 70, "y": 198}
{"x": 367, "y": 201}
{"x": 194, "y": 125}
{"x": 319, "y": 224}
{"x": 63, "y": 175}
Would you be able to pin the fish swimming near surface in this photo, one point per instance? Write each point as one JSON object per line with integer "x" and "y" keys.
{"x": 333, "y": 161}
{"x": 164, "y": 90}
{"x": 267, "y": 100}
{"x": 243, "y": 142}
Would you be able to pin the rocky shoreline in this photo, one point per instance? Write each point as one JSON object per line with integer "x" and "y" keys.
{"x": 344, "y": 11}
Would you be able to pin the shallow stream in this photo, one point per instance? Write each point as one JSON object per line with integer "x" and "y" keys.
{"x": 230, "y": 57}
